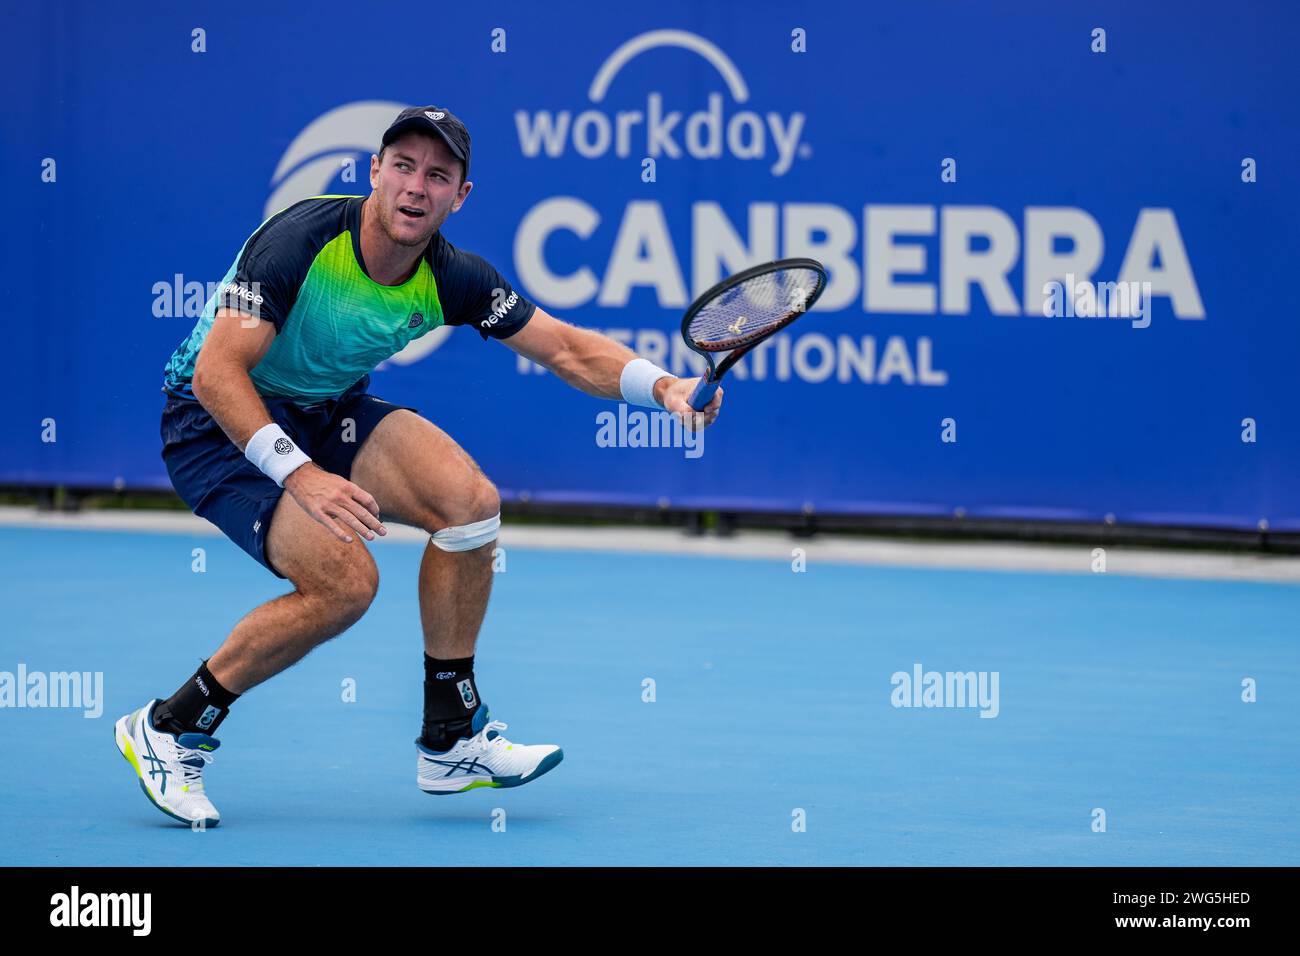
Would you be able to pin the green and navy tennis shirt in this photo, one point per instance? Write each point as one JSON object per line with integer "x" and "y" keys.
{"x": 303, "y": 271}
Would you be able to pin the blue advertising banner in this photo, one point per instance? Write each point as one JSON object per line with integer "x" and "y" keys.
{"x": 1058, "y": 238}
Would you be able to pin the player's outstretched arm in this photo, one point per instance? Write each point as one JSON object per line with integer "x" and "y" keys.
{"x": 594, "y": 363}
{"x": 221, "y": 383}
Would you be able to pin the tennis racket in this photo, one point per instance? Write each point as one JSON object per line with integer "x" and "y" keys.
{"x": 740, "y": 312}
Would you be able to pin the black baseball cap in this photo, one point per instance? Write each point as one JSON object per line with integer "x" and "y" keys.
{"x": 437, "y": 120}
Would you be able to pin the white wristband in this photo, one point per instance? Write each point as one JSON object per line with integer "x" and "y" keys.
{"x": 274, "y": 452}
{"x": 638, "y": 381}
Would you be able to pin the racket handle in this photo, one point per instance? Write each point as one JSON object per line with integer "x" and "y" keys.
{"x": 703, "y": 394}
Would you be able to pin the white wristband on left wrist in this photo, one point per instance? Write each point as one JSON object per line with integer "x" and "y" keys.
{"x": 275, "y": 453}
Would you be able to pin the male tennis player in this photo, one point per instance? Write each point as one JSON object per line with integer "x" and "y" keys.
{"x": 268, "y": 395}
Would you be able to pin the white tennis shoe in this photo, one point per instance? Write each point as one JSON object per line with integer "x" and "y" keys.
{"x": 485, "y": 759}
{"x": 170, "y": 767}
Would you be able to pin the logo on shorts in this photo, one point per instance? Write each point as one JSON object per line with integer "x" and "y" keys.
{"x": 466, "y": 688}
{"x": 209, "y": 715}
{"x": 416, "y": 320}
{"x": 283, "y": 446}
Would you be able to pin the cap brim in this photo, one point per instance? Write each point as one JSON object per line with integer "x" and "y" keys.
{"x": 421, "y": 125}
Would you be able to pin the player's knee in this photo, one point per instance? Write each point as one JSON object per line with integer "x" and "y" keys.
{"x": 345, "y": 590}
{"x": 357, "y": 593}
{"x": 474, "y": 502}
{"x": 472, "y": 521}
{"x": 485, "y": 501}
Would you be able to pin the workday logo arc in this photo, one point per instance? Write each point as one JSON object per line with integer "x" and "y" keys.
{"x": 316, "y": 155}
{"x": 668, "y": 38}
{"x": 313, "y": 161}
{"x": 658, "y": 131}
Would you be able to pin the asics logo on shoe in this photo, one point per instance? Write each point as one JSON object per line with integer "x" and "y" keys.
{"x": 468, "y": 767}
{"x": 466, "y": 688}
{"x": 157, "y": 767}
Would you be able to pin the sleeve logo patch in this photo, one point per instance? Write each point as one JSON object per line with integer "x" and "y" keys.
{"x": 500, "y": 311}
{"x": 239, "y": 291}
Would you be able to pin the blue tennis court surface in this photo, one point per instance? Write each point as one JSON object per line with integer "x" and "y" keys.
{"x": 772, "y": 695}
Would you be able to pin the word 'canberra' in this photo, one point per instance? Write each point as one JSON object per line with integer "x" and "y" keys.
{"x": 978, "y": 246}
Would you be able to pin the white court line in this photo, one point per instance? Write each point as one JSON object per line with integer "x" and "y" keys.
{"x": 767, "y": 545}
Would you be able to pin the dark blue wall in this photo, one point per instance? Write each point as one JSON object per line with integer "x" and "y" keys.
{"x": 167, "y": 159}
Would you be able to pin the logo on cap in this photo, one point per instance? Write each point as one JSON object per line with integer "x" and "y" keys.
{"x": 435, "y": 116}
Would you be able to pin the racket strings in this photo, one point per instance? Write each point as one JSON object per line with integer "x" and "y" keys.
{"x": 754, "y": 308}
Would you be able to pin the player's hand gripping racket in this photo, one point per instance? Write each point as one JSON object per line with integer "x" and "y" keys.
{"x": 740, "y": 312}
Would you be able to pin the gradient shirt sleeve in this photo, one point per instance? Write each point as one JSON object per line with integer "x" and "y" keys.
{"x": 474, "y": 293}
{"x": 269, "y": 272}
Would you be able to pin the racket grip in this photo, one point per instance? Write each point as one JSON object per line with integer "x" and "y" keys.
{"x": 703, "y": 394}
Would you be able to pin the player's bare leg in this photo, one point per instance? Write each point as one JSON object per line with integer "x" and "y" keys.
{"x": 421, "y": 477}
{"x": 454, "y": 590}
{"x": 334, "y": 584}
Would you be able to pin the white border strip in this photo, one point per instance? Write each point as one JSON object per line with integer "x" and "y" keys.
{"x": 764, "y": 545}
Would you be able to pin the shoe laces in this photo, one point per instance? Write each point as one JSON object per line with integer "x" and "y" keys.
{"x": 191, "y": 763}
{"x": 482, "y": 741}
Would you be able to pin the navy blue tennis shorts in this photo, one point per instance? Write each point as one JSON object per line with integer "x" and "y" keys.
{"x": 214, "y": 478}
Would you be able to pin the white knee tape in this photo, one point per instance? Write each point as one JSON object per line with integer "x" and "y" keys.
{"x": 467, "y": 537}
